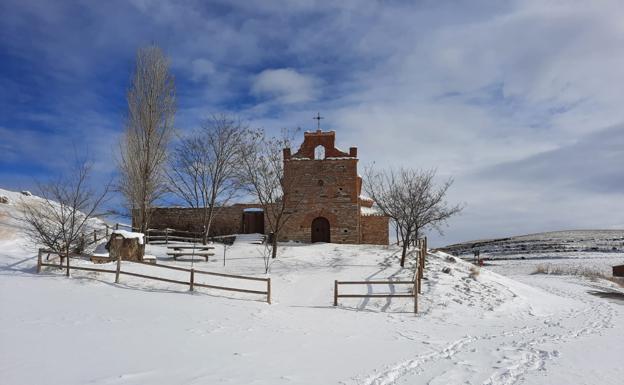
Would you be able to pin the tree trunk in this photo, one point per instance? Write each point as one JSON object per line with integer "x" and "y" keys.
{"x": 274, "y": 246}
{"x": 67, "y": 256}
{"x": 404, "y": 252}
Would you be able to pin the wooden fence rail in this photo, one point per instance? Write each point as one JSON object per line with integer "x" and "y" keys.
{"x": 190, "y": 283}
{"x": 172, "y": 235}
{"x": 413, "y": 294}
{"x": 421, "y": 250}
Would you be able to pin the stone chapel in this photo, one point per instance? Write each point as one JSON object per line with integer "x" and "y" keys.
{"x": 323, "y": 194}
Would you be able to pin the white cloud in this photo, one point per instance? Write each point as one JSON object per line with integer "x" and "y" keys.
{"x": 285, "y": 85}
{"x": 461, "y": 86}
{"x": 202, "y": 69}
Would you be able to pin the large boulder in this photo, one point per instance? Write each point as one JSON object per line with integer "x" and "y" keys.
{"x": 128, "y": 245}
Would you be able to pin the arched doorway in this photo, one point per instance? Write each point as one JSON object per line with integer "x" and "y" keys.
{"x": 320, "y": 230}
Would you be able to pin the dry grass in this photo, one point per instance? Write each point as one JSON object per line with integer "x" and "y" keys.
{"x": 474, "y": 272}
{"x": 577, "y": 271}
{"x": 617, "y": 280}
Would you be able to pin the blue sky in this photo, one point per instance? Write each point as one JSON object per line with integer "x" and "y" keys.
{"x": 519, "y": 101}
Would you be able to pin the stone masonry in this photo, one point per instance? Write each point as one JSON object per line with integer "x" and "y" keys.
{"x": 322, "y": 191}
{"x": 328, "y": 186}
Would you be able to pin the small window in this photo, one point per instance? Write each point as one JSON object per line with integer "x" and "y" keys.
{"x": 345, "y": 231}
{"x": 319, "y": 152}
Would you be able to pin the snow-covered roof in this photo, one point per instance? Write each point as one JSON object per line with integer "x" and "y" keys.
{"x": 130, "y": 235}
{"x": 370, "y": 211}
{"x": 253, "y": 210}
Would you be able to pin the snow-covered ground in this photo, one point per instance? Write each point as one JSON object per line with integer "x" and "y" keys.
{"x": 491, "y": 329}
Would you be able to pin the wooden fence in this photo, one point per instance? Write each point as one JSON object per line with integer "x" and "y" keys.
{"x": 95, "y": 236}
{"x": 421, "y": 250}
{"x": 165, "y": 236}
{"x": 190, "y": 283}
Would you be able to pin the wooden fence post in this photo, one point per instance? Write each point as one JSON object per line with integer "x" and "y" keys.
{"x": 107, "y": 230}
{"x": 39, "y": 262}
{"x": 166, "y": 236}
{"x": 118, "y": 268}
{"x": 192, "y": 278}
{"x": 416, "y": 299}
{"x": 335, "y": 293}
{"x": 67, "y": 256}
{"x": 94, "y": 236}
{"x": 269, "y": 291}
{"x": 418, "y": 276}
{"x": 117, "y": 226}
{"x": 421, "y": 262}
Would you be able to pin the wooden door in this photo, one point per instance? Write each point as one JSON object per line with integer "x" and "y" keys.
{"x": 253, "y": 222}
{"x": 320, "y": 230}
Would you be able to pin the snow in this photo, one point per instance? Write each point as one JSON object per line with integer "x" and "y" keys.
{"x": 253, "y": 210}
{"x": 504, "y": 326}
{"x": 364, "y": 197}
{"x": 366, "y": 211}
{"x": 130, "y": 235}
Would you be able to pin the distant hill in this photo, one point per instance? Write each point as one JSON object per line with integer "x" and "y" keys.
{"x": 572, "y": 241}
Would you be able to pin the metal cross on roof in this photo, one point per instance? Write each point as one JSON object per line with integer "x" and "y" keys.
{"x": 318, "y": 118}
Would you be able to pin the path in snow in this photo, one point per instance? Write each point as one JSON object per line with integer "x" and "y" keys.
{"x": 248, "y": 239}
{"x": 510, "y": 356}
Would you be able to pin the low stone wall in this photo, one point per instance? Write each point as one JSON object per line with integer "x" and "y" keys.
{"x": 374, "y": 230}
{"x": 227, "y": 220}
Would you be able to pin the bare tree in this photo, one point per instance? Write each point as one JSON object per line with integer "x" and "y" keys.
{"x": 59, "y": 217}
{"x": 412, "y": 200}
{"x": 262, "y": 175}
{"x": 149, "y": 130}
{"x": 266, "y": 253}
{"x": 203, "y": 166}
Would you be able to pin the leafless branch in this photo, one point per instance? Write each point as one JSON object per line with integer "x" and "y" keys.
{"x": 203, "y": 168}
{"x": 149, "y": 130}
{"x": 262, "y": 175}
{"x": 411, "y": 199}
{"x": 62, "y": 212}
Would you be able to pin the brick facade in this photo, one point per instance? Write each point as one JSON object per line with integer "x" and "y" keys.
{"x": 328, "y": 187}
{"x": 374, "y": 230}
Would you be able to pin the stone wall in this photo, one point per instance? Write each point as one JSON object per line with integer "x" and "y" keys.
{"x": 227, "y": 220}
{"x": 374, "y": 230}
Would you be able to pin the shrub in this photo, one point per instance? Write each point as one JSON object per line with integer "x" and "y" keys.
{"x": 586, "y": 272}
{"x": 474, "y": 272}
{"x": 541, "y": 269}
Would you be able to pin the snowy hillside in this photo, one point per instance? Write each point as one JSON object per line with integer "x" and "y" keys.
{"x": 11, "y": 227}
{"x": 552, "y": 243}
{"x": 474, "y": 327}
